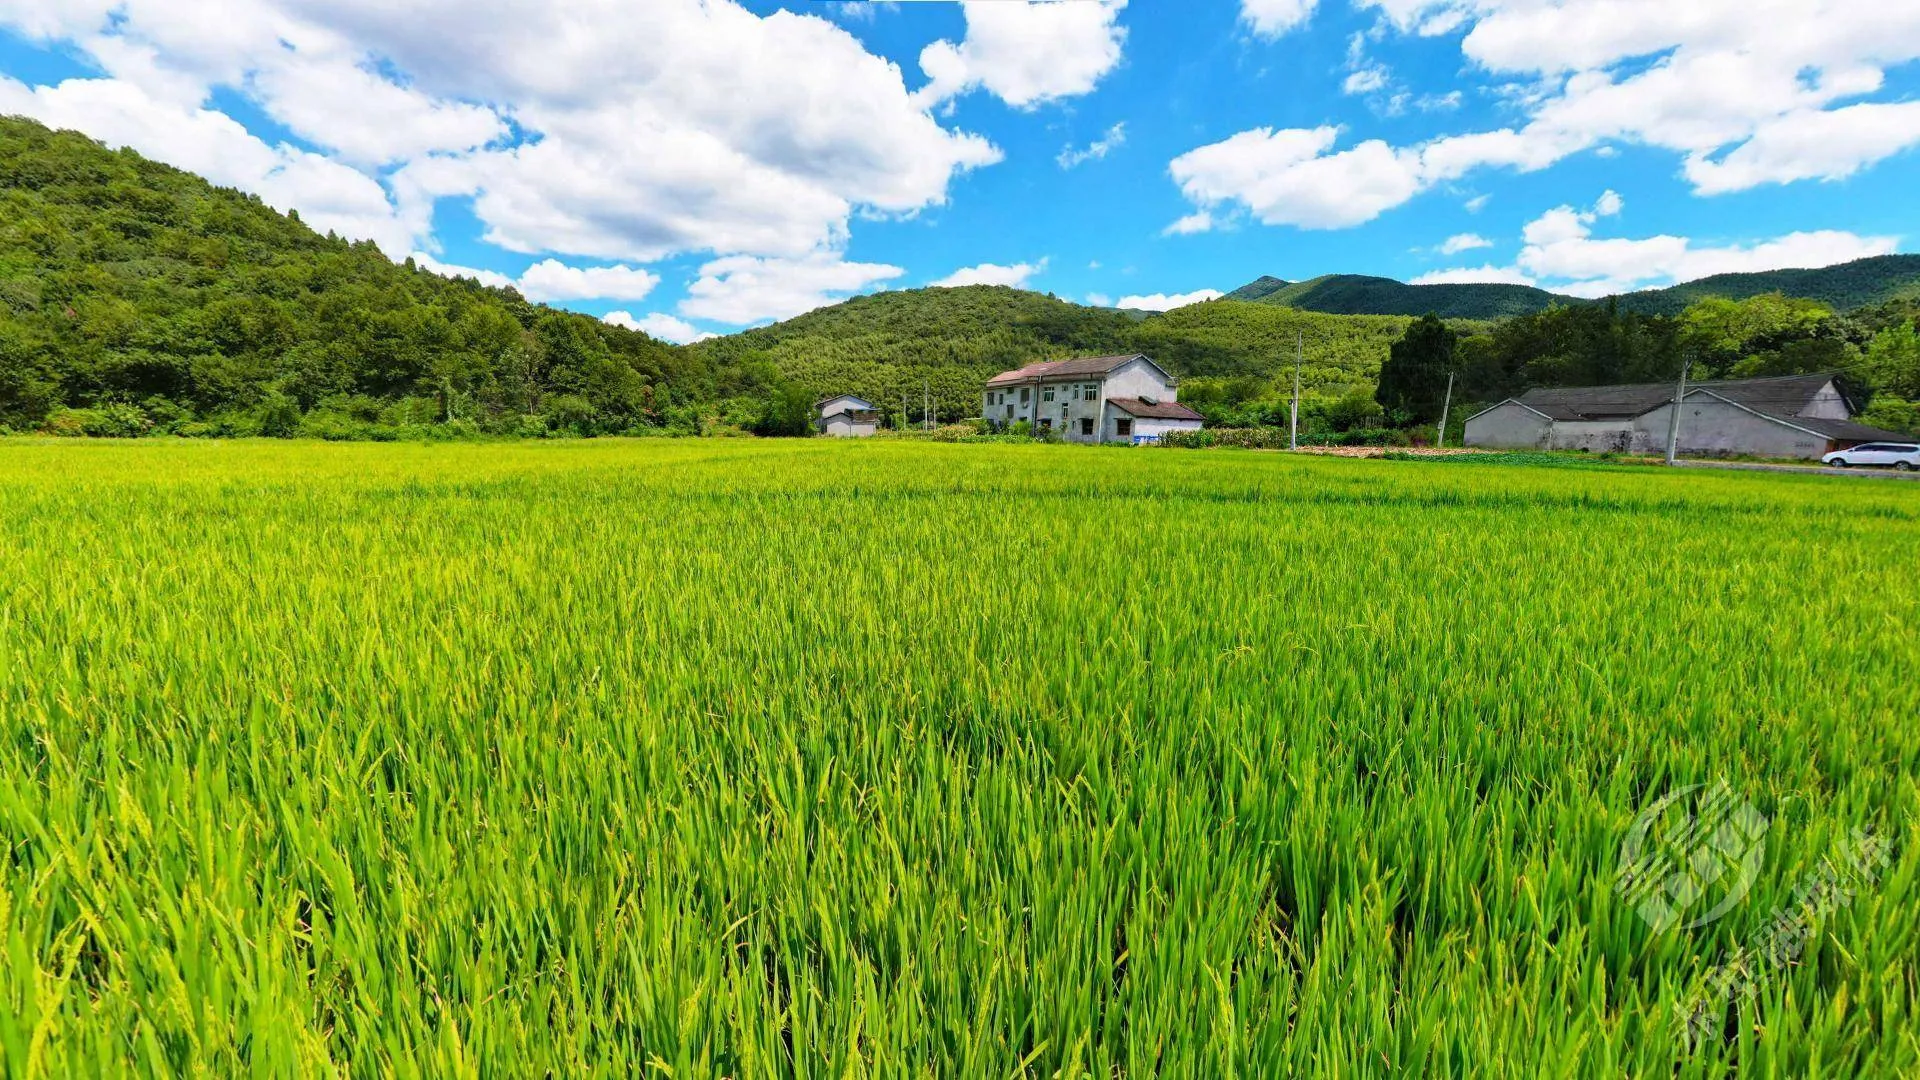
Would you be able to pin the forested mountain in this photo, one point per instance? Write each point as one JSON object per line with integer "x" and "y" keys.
{"x": 1356, "y": 294}
{"x": 138, "y": 295}
{"x": 1860, "y": 283}
{"x": 952, "y": 340}
{"x": 1258, "y": 289}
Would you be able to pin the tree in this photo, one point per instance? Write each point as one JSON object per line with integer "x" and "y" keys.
{"x": 1413, "y": 381}
{"x": 1893, "y": 361}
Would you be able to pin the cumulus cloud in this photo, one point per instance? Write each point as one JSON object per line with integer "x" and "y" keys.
{"x": 1026, "y": 53}
{"x": 1272, "y": 18}
{"x": 743, "y": 289}
{"x": 1483, "y": 275}
{"x": 1168, "y": 301}
{"x": 551, "y": 281}
{"x": 597, "y": 129}
{"x": 1464, "y": 242}
{"x": 1743, "y": 97}
{"x": 1197, "y": 222}
{"x": 659, "y": 326}
{"x": 1015, "y": 276}
{"x": 1561, "y": 253}
{"x": 1116, "y": 135}
{"x": 1288, "y": 177}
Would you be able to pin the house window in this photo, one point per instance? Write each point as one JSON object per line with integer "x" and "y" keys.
{"x": 1123, "y": 427}
{"x": 1086, "y": 425}
{"x": 1009, "y": 412}
{"x": 1047, "y": 394}
{"x": 1025, "y": 395}
{"x": 1090, "y": 392}
{"x": 1046, "y": 423}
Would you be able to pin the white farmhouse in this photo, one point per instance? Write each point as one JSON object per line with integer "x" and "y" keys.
{"x": 846, "y": 417}
{"x": 1127, "y": 399}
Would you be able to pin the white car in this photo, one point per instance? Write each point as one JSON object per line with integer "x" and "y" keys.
{"x": 1902, "y": 456}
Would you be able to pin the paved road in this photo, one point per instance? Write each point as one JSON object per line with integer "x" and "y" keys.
{"x": 1812, "y": 470}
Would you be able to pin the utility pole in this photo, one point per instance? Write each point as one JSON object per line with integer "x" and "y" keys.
{"x": 1673, "y": 424}
{"x": 1299, "y": 354}
{"x": 1446, "y": 407}
{"x": 926, "y": 404}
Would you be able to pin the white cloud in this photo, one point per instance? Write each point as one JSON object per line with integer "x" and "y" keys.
{"x": 659, "y": 326}
{"x": 1015, "y": 276}
{"x": 1099, "y": 148}
{"x": 1167, "y": 302}
{"x": 1562, "y": 254}
{"x": 1026, "y": 54}
{"x": 742, "y": 289}
{"x": 638, "y": 131}
{"x": 1197, "y": 222}
{"x": 1484, "y": 275}
{"x": 551, "y": 280}
{"x": 1272, "y": 18}
{"x": 489, "y": 278}
{"x": 1464, "y": 242}
{"x": 1288, "y": 178}
{"x": 1744, "y": 93}
{"x": 1811, "y": 145}
{"x": 1099, "y": 300}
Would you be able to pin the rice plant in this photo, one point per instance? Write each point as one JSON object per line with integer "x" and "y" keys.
{"x": 799, "y": 759}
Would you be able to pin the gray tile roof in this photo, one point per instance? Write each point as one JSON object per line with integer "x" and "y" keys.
{"x": 1848, "y": 431}
{"x": 1783, "y": 396}
{"x": 1156, "y": 410}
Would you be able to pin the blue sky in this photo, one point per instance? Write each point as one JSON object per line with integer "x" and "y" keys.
{"x": 703, "y": 167}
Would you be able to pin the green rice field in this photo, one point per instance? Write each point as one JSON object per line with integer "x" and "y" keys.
{"x": 895, "y": 759}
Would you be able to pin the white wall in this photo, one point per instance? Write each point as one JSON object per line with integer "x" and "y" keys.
{"x": 1152, "y": 430}
{"x": 1508, "y": 427}
{"x": 1828, "y": 405}
{"x": 1595, "y": 436}
{"x": 1709, "y": 426}
{"x": 1139, "y": 379}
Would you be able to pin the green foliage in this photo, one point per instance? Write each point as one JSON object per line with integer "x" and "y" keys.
{"x": 1355, "y": 294}
{"x": 1892, "y": 360}
{"x": 1873, "y": 281}
{"x": 1881, "y": 279}
{"x": 128, "y": 284}
{"x": 1413, "y": 382}
{"x": 951, "y": 341}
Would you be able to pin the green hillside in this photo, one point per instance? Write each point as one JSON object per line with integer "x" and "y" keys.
{"x": 952, "y": 340}
{"x": 145, "y": 298}
{"x": 1355, "y": 294}
{"x": 1257, "y": 290}
{"x": 1861, "y": 283}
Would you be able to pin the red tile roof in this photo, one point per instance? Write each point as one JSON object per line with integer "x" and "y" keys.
{"x": 1063, "y": 369}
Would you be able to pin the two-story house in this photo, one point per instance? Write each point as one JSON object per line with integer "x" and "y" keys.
{"x": 1127, "y": 399}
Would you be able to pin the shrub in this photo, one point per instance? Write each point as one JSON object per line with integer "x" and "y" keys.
{"x": 279, "y": 417}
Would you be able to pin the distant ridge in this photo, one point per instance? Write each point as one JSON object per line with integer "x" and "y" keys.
{"x": 1863, "y": 282}
{"x": 1257, "y": 290}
